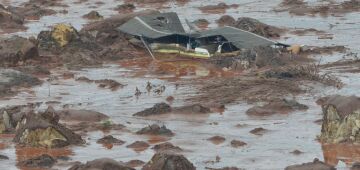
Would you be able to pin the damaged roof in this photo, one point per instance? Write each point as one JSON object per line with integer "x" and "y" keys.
{"x": 238, "y": 37}
{"x": 154, "y": 26}
{"x": 165, "y": 24}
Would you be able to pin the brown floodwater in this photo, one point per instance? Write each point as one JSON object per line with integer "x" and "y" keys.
{"x": 286, "y": 132}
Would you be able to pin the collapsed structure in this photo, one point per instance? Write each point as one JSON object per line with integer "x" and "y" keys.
{"x": 163, "y": 33}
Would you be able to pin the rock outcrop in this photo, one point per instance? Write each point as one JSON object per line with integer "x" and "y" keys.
{"x": 341, "y": 119}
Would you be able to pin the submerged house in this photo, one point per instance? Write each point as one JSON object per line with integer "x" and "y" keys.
{"x": 163, "y": 33}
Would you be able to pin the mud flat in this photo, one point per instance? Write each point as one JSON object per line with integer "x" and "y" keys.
{"x": 89, "y": 97}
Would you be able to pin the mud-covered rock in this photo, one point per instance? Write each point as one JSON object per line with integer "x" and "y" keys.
{"x": 10, "y": 78}
{"x": 217, "y": 140}
{"x": 257, "y": 27}
{"x": 93, "y": 15}
{"x": 10, "y": 21}
{"x": 135, "y": 163}
{"x": 257, "y": 57}
{"x": 109, "y": 139}
{"x": 103, "y": 164}
{"x": 225, "y": 168}
{"x": 81, "y": 116}
{"x": 283, "y": 106}
{"x": 92, "y": 45}
{"x": 315, "y": 165}
{"x": 195, "y": 108}
{"x": 341, "y": 116}
{"x": 355, "y": 166}
{"x": 259, "y": 131}
{"x": 36, "y": 131}
{"x": 46, "y": 3}
{"x": 168, "y": 161}
{"x": 63, "y": 34}
{"x": 219, "y": 8}
{"x": 43, "y": 161}
{"x": 201, "y": 23}
{"x": 108, "y": 84}
{"x": 50, "y": 115}
{"x": 125, "y": 8}
{"x": 237, "y": 143}
{"x": 31, "y": 11}
{"x": 138, "y": 145}
{"x": 16, "y": 50}
{"x": 226, "y": 20}
{"x": 4, "y": 157}
{"x": 166, "y": 147}
{"x": 159, "y": 108}
{"x": 155, "y": 129}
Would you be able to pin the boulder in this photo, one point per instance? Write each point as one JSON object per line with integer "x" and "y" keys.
{"x": 36, "y": 131}
{"x": 341, "y": 116}
{"x": 168, "y": 161}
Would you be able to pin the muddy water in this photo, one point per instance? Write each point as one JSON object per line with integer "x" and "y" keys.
{"x": 285, "y": 133}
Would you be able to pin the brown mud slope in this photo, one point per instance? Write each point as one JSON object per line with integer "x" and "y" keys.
{"x": 299, "y": 7}
{"x": 340, "y": 119}
{"x": 9, "y": 21}
{"x": 168, "y": 161}
{"x": 104, "y": 163}
{"x": 217, "y": 9}
{"x": 316, "y": 165}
